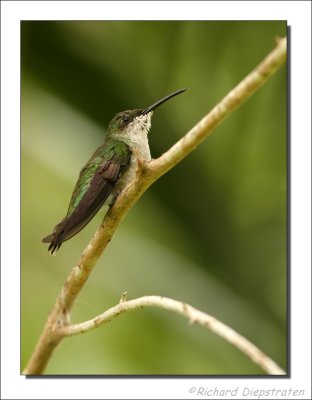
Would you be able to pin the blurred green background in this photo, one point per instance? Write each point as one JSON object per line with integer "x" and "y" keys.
{"x": 211, "y": 232}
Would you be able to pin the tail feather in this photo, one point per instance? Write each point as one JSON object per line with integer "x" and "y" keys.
{"x": 48, "y": 239}
{"x": 55, "y": 244}
{"x": 53, "y": 248}
{"x": 55, "y": 238}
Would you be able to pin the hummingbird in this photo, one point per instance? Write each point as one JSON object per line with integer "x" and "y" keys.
{"x": 108, "y": 171}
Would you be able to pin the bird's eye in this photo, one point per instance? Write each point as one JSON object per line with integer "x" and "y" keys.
{"x": 125, "y": 119}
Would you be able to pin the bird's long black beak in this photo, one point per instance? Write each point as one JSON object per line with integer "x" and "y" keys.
{"x": 159, "y": 102}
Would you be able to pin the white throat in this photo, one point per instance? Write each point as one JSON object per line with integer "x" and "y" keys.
{"x": 136, "y": 136}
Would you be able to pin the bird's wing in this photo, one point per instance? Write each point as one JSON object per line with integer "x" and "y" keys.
{"x": 95, "y": 183}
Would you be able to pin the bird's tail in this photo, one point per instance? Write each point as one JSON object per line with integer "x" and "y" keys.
{"x": 54, "y": 244}
{"x": 54, "y": 238}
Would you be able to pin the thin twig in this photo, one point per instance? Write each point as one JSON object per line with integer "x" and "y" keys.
{"x": 146, "y": 174}
{"x": 189, "y": 312}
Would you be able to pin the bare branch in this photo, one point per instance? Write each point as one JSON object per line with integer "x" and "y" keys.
{"x": 236, "y": 97}
{"x": 189, "y": 312}
{"x": 146, "y": 174}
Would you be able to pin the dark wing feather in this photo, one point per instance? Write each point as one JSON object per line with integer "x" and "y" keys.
{"x": 101, "y": 185}
{"x": 99, "y": 190}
